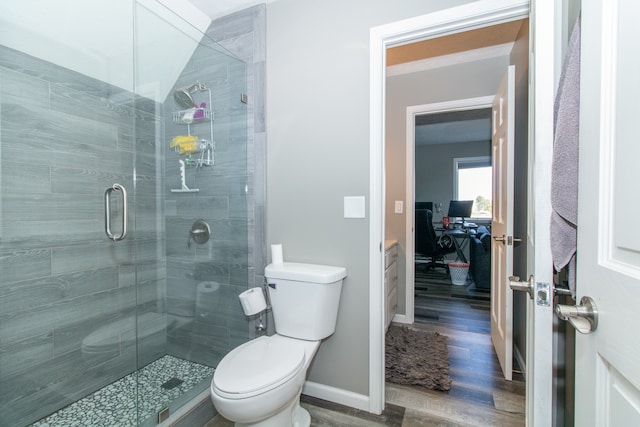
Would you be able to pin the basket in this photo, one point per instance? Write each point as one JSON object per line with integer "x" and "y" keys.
{"x": 459, "y": 272}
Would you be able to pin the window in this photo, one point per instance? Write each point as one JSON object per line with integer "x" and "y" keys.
{"x": 472, "y": 181}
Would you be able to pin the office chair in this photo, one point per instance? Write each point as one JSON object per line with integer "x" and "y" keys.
{"x": 428, "y": 244}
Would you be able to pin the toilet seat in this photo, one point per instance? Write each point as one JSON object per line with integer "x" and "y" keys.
{"x": 258, "y": 366}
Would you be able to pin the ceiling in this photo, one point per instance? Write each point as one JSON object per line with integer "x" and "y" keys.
{"x": 458, "y": 126}
{"x": 217, "y": 8}
{"x": 452, "y": 127}
{"x": 455, "y": 43}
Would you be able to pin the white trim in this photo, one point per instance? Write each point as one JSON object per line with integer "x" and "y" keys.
{"x": 336, "y": 395}
{"x": 544, "y": 70}
{"x": 448, "y": 60}
{"x": 462, "y": 18}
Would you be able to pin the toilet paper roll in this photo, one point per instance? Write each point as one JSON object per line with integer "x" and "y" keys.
{"x": 253, "y": 301}
{"x": 276, "y": 254}
{"x": 207, "y": 298}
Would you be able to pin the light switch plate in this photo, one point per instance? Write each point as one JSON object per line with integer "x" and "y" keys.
{"x": 354, "y": 207}
{"x": 399, "y": 206}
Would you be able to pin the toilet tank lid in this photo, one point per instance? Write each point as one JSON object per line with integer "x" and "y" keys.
{"x": 305, "y": 272}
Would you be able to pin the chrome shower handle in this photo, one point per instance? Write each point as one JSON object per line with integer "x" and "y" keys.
{"x": 107, "y": 212}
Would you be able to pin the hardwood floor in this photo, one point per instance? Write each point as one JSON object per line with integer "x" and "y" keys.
{"x": 479, "y": 395}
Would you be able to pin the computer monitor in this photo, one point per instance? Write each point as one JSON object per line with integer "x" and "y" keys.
{"x": 460, "y": 209}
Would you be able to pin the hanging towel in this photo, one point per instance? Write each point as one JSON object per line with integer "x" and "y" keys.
{"x": 564, "y": 175}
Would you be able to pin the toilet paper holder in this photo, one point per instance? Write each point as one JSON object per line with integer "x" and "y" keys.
{"x": 199, "y": 232}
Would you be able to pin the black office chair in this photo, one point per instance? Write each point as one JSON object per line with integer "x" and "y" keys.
{"x": 427, "y": 242}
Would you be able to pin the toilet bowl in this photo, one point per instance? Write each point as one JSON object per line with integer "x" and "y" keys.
{"x": 259, "y": 383}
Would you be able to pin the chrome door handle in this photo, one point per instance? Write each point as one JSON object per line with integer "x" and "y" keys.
{"x": 583, "y": 317}
{"x": 521, "y": 285}
{"x": 107, "y": 212}
{"x": 509, "y": 240}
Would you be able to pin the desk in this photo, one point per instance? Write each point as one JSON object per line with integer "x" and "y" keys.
{"x": 460, "y": 237}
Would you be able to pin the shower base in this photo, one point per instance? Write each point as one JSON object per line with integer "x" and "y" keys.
{"x": 153, "y": 388}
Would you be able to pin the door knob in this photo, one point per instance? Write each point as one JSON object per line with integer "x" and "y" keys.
{"x": 522, "y": 285}
{"x": 583, "y": 317}
{"x": 502, "y": 238}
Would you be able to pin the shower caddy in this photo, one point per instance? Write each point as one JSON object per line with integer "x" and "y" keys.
{"x": 188, "y": 145}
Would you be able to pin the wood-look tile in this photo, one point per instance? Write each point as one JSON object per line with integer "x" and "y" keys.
{"x": 413, "y": 418}
{"x": 506, "y": 401}
{"x": 391, "y": 415}
{"x": 441, "y": 405}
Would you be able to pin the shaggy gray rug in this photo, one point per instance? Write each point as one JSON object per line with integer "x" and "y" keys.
{"x": 417, "y": 357}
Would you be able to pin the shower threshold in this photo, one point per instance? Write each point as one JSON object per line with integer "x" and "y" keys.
{"x": 115, "y": 404}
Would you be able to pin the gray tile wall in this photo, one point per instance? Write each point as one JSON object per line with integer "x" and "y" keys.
{"x": 243, "y": 34}
{"x": 231, "y": 197}
{"x": 62, "y": 143}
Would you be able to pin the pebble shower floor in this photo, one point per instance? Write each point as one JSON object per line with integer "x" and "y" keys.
{"x": 115, "y": 404}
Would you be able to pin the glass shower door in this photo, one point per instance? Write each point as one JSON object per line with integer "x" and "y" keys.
{"x": 191, "y": 208}
{"x": 68, "y": 296}
{"x": 97, "y": 327}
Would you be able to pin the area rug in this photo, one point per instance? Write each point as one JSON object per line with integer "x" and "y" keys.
{"x": 417, "y": 357}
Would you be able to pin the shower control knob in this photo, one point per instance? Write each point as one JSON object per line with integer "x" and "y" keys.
{"x": 199, "y": 232}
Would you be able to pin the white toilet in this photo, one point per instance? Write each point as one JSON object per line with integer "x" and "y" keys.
{"x": 259, "y": 383}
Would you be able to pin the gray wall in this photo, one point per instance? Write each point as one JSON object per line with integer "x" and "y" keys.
{"x": 480, "y": 78}
{"x": 318, "y": 153}
{"x": 434, "y": 170}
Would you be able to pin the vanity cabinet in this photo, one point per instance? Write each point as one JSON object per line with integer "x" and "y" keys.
{"x": 390, "y": 280}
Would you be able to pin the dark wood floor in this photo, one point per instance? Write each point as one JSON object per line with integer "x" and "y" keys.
{"x": 479, "y": 395}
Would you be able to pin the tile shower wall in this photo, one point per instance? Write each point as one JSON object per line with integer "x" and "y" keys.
{"x": 231, "y": 199}
{"x": 244, "y": 34}
{"x": 63, "y": 141}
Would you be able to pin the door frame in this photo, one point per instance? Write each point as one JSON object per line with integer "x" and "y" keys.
{"x": 413, "y": 111}
{"x": 449, "y": 21}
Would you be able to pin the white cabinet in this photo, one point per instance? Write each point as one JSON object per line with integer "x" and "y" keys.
{"x": 390, "y": 280}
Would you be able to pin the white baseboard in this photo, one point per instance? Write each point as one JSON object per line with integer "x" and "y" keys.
{"x": 401, "y": 318}
{"x": 520, "y": 360}
{"x": 336, "y": 395}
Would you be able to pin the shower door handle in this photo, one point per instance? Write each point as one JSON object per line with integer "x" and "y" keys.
{"x": 107, "y": 212}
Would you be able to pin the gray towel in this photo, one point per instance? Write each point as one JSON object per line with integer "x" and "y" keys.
{"x": 564, "y": 175}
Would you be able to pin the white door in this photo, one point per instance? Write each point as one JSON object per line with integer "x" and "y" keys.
{"x": 608, "y": 359}
{"x": 502, "y": 143}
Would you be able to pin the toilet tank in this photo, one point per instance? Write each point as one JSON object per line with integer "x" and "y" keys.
{"x": 304, "y": 298}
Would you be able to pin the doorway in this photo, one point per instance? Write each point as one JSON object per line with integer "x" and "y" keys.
{"x": 514, "y": 12}
{"x": 446, "y": 153}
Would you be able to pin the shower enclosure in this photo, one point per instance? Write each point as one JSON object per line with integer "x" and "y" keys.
{"x": 122, "y": 246}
